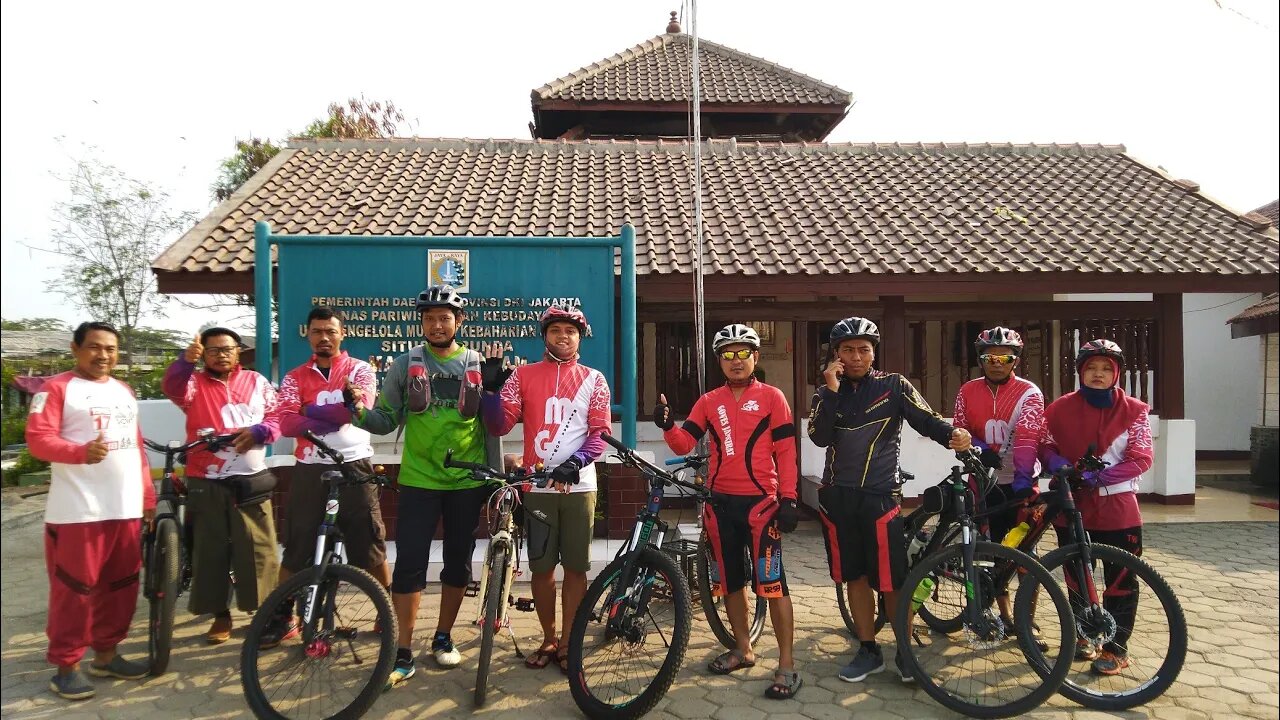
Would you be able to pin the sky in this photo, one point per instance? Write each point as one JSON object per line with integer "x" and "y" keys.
{"x": 163, "y": 90}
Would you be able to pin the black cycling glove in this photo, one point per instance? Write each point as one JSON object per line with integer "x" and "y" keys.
{"x": 991, "y": 459}
{"x": 567, "y": 472}
{"x": 492, "y": 375}
{"x": 788, "y": 515}
{"x": 662, "y": 417}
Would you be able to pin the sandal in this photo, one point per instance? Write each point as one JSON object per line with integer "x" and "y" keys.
{"x": 563, "y": 662}
{"x": 785, "y": 685}
{"x": 731, "y": 661}
{"x": 543, "y": 656}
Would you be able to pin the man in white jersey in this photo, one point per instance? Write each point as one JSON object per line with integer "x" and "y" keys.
{"x": 85, "y": 423}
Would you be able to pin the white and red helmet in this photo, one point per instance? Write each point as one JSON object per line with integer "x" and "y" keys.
{"x": 733, "y": 335}
{"x": 999, "y": 337}
{"x": 556, "y": 313}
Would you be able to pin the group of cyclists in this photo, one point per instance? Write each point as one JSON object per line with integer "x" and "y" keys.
{"x": 442, "y": 397}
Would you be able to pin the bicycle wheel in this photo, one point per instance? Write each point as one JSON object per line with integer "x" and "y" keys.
{"x": 493, "y": 601}
{"x": 1155, "y": 649}
{"x": 714, "y": 607}
{"x": 341, "y": 662}
{"x": 842, "y": 599}
{"x": 622, "y": 675}
{"x": 162, "y": 593}
{"x": 982, "y": 670}
{"x": 941, "y": 611}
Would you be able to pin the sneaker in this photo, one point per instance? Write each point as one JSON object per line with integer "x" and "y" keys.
{"x": 120, "y": 668}
{"x": 402, "y": 670}
{"x": 866, "y": 662}
{"x": 903, "y": 672}
{"x": 72, "y": 686}
{"x": 219, "y": 631}
{"x": 279, "y": 630}
{"x": 1109, "y": 663}
{"x": 1085, "y": 650}
{"x": 445, "y": 653}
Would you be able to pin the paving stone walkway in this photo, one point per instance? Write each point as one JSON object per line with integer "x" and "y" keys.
{"x": 1225, "y": 574}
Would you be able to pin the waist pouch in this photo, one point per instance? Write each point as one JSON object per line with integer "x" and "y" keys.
{"x": 250, "y": 489}
{"x": 426, "y": 390}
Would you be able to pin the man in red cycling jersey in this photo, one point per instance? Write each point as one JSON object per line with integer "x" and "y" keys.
{"x": 1101, "y": 416}
{"x": 564, "y": 407}
{"x": 1004, "y": 414}
{"x": 752, "y": 476}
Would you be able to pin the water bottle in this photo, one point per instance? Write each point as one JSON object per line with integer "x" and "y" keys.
{"x": 918, "y": 541}
{"x": 922, "y": 593}
{"x": 1014, "y": 537}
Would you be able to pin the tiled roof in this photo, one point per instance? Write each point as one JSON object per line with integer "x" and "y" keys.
{"x": 770, "y": 208}
{"x": 1268, "y": 306}
{"x": 658, "y": 70}
{"x": 33, "y": 343}
{"x": 1271, "y": 211}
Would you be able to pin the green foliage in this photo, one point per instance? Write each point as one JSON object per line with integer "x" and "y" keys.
{"x": 13, "y": 430}
{"x": 45, "y": 324}
{"x": 357, "y": 118}
{"x": 146, "y": 384}
{"x": 27, "y": 463}
{"x": 250, "y": 157}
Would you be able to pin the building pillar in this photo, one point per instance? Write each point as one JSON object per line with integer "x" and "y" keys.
{"x": 893, "y": 335}
{"x": 1172, "y": 393}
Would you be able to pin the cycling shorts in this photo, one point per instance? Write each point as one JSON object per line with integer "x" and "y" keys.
{"x": 745, "y": 544}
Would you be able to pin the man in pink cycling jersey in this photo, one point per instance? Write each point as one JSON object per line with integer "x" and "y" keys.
{"x": 752, "y": 476}
{"x": 1004, "y": 414}
{"x": 564, "y": 407}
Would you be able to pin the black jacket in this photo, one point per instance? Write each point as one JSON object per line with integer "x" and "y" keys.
{"x": 861, "y": 428}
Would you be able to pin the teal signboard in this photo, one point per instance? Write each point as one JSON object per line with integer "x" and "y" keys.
{"x": 373, "y": 283}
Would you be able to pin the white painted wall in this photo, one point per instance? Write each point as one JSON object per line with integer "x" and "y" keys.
{"x": 1269, "y": 383}
{"x": 1222, "y": 375}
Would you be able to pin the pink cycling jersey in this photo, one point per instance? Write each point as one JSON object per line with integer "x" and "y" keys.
{"x": 1009, "y": 419}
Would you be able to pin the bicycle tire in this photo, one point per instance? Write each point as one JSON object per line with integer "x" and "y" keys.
{"x": 382, "y": 634}
{"x": 1042, "y": 681}
{"x": 650, "y": 563}
{"x": 931, "y": 612}
{"x": 849, "y": 623}
{"x": 162, "y": 593}
{"x": 1076, "y": 686}
{"x": 711, "y": 605}
{"x": 489, "y": 624}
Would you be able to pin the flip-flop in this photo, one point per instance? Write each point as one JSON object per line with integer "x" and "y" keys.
{"x": 542, "y": 657}
{"x": 721, "y": 666}
{"x": 562, "y": 662}
{"x": 785, "y": 685}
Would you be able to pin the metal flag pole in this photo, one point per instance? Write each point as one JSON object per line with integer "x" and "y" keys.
{"x": 699, "y": 308}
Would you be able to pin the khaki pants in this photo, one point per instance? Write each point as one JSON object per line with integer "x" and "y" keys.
{"x": 229, "y": 538}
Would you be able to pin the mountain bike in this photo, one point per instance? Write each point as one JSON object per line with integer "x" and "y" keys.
{"x": 501, "y": 560}
{"x": 166, "y": 554}
{"x": 706, "y": 574}
{"x": 347, "y": 643}
{"x": 631, "y": 631}
{"x": 1104, "y": 601}
{"x": 984, "y": 667}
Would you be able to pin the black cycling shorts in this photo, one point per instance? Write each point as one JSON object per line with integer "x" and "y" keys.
{"x": 864, "y": 536}
{"x": 420, "y": 510}
{"x": 745, "y": 544}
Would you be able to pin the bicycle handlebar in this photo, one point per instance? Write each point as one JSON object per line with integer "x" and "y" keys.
{"x": 629, "y": 457}
{"x": 348, "y": 475}
{"x": 693, "y": 461}
{"x": 214, "y": 442}
{"x": 539, "y": 478}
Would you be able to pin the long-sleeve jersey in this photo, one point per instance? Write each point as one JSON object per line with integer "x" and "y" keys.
{"x": 753, "y": 440}
{"x": 565, "y": 409}
{"x": 1007, "y": 418}
{"x": 306, "y": 390}
{"x": 1121, "y": 436}
{"x": 66, "y": 415}
{"x": 861, "y": 428}
{"x": 244, "y": 399}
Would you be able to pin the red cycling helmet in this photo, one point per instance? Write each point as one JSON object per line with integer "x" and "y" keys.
{"x": 999, "y": 337}
{"x": 555, "y": 313}
{"x": 1099, "y": 348}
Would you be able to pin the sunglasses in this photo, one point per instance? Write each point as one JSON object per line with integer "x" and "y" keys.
{"x": 742, "y": 354}
{"x": 997, "y": 359}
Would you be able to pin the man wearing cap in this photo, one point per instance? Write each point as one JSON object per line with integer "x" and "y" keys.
{"x": 228, "y": 492}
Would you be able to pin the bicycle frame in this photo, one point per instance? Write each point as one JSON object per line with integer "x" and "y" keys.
{"x": 505, "y": 536}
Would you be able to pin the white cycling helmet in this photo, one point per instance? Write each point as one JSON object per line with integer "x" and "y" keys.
{"x": 736, "y": 334}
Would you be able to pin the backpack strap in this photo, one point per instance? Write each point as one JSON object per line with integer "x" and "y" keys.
{"x": 417, "y": 357}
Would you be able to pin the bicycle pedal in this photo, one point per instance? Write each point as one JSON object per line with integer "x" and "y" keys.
{"x": 524, "y": 604}
{"x": 473, "y": 589}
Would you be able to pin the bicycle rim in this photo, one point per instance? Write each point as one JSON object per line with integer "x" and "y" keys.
{"x": 621, "y": 676}
{"x": 982, "y": 669}
{"x": 1154, "y": 651}
{"x": 493, "y": 602}
{"x": 339, "y": 664}
{"x": 713, "y": 608}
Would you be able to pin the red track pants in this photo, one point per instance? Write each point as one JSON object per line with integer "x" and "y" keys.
{"x": 93, "y": 585}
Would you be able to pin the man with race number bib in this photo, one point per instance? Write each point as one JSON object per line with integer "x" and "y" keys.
{"x": 857, "y": 416}
{"x": 752, "y": 476}
{"x": 1005, "y": 415}
{"x": 564, "y": 407}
